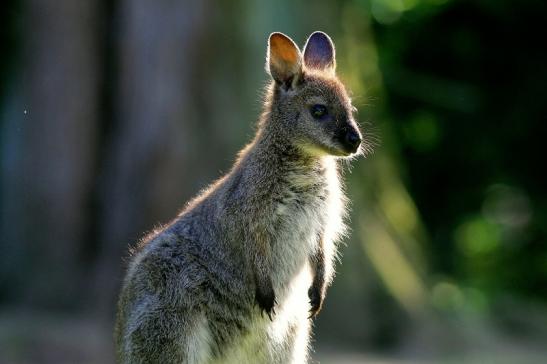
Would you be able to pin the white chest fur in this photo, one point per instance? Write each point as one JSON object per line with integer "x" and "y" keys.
{"x": 310, "y": 206}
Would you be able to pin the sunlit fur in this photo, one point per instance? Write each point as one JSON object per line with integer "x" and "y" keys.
{"x": 261, "y": 241}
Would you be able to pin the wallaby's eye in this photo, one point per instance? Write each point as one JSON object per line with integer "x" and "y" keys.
{"x": 318, "y": 111}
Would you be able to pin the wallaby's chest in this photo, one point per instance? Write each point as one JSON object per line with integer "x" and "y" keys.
{"x": 300, "y": 214}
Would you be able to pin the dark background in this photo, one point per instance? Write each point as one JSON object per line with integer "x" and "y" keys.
{"x": 114, "y": 113}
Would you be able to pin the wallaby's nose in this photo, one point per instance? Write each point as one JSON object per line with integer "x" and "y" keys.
{"x": 352, "y": 140}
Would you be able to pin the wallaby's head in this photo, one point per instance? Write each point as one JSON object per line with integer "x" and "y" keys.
{"x": 307, "y": 99}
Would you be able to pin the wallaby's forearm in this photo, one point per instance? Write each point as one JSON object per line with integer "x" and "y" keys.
{"x": 260, "y": 258}
{"x": 318, "y": 264}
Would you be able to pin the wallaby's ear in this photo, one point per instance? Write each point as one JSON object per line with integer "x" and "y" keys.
{"x": 284, "y": 60}
{"x": 319, "y": 53}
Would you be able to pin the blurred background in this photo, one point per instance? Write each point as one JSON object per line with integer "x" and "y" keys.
{"x": 114, "y": 113}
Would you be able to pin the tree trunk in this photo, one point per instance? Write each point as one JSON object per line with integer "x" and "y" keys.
{"x": 150, "y": 156}
{"x": 48, "y": 153}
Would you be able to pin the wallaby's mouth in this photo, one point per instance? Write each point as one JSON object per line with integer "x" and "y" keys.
{"x": 341, "y": 151}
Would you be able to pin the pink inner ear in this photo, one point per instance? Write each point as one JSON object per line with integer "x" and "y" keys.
{"x": 319, "y": 52}
{"x": 283, "y": 48}
{"x": 284, "y": 58}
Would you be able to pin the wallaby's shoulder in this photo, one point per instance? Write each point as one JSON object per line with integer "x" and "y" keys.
{"x": 154, "y": 256}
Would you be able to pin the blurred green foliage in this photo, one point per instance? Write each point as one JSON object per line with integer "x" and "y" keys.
{"x": 464, "y": 81}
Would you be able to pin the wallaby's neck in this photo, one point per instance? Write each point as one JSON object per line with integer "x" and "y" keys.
{"x": 274, "y": 143}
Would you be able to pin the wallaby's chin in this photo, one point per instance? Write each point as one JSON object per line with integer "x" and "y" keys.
{"x": 342, "y": 152}
{"x": 316, "y": 150}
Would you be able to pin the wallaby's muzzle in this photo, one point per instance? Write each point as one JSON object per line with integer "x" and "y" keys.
{"x": 350, "y": 140}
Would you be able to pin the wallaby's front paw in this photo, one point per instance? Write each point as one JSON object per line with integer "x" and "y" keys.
{"x": 266, "y": 301}
{"x": 316, "y": 295}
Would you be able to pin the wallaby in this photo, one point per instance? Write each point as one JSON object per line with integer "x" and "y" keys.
{"x": 238, "y": 275}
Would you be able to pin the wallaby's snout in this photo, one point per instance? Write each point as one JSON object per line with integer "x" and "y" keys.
{"x": 347, "y": 137}
{"x": 351, "y": 140}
